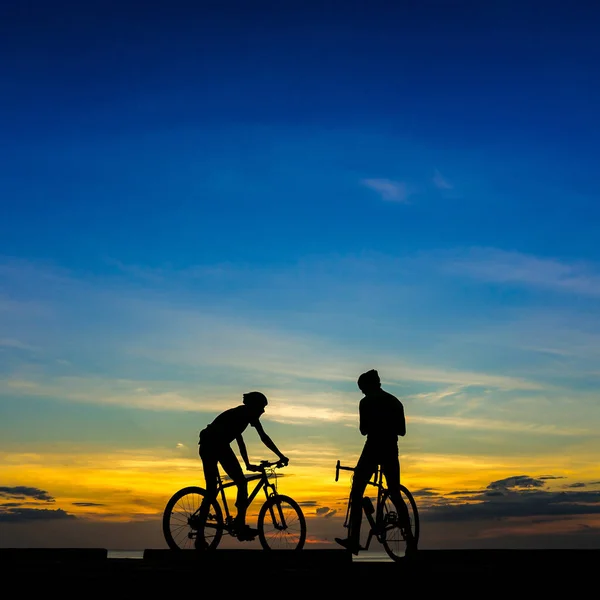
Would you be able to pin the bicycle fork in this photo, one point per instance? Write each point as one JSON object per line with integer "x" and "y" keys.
{"x": 277, "y": 516}
{"x": 275, "y": 510}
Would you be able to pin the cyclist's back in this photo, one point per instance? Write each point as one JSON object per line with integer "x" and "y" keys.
{"x": 381, "y": 416}
{"x": 227, "y": 426}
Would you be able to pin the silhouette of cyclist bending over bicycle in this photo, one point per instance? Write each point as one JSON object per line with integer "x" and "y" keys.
{"x": 215, "y": 447}
{"x": 381, "y": 419}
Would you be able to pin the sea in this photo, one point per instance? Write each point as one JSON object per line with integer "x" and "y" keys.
{"x": 369, "y": 556}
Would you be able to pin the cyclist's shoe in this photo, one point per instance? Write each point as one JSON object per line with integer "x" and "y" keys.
{"x": 200, "y": 543}
{"x": 350, "y": 545}
{"x": 246, "y": 533}
{"x": 411, "y": 549}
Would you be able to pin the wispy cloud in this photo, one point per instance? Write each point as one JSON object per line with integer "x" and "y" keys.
{"x": 389, "y": 190}
{"x": 441, "y": 182}
{"x": 156, "y": 327}
{"x": 494, "y": 265}
{"x": 291, "y": 404}
{"x": 174, "y": 346}
{"x": 508, "y": 426}
{"x": 16, "y": 344}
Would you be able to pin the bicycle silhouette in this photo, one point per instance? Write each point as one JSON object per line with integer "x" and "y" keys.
{"x": 281, "y": 523}
{"x": 385, "y": 524}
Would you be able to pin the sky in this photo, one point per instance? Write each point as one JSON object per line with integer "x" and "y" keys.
{"x": 205, "y": 199}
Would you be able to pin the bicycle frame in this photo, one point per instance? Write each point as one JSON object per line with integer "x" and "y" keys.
{"x": 263, "y": 482}
{"x": 376, "y": 523}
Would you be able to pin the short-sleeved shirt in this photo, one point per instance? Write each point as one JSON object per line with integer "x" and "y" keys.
{"x": 228, "y": 425}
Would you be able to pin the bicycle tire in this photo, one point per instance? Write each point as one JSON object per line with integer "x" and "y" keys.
{"x": 392, "y": 539}
{"x": 178, "y": 520}
{"x": 271, "y": 534}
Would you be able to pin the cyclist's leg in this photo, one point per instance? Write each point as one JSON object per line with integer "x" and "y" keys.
{"x": 365, "y": 467}
{"x": 231, "y": 466}
{"x": 209, "y": 464}
{"x": 391, "y": 471}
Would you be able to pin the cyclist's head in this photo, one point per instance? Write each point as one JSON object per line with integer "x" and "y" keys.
{"x": 256, "y": 401}
{"x": 369, "y": 381}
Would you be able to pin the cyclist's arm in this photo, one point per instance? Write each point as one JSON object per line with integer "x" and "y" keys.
{"x": 243, "y": 451}
{"x": 268, "y": 442}
{"x": 363, "y": 418}
{"x": 401, "y": 420}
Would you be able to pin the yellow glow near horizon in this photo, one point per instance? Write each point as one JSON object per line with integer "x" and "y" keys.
{"x": 128, "y": 485}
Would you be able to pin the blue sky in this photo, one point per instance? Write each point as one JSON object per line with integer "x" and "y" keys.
{"x": 249, "y": 117}
{"x": 200, "y": 199}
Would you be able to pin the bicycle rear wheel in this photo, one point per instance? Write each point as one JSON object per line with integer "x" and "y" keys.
{"x": 393, "y": 538}
{"x": 180, "y": 520}
{"x": 281, "y": 524}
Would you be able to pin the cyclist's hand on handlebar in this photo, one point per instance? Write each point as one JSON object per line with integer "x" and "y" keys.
{"x": 283, "y": 461}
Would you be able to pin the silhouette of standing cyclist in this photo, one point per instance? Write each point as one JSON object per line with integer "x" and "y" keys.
{"x": 215, "y": 447}
{"x": 381, "y": 419}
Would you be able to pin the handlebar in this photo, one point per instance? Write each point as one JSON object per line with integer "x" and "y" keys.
{"x": 264, "y": 464}
{"x": 339, "y": 467}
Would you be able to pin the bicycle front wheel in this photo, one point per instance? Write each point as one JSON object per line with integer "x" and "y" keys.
{"x": 394, "y": 539}
{"x": 181, "y": 520}
{"x": 281, "y": 524}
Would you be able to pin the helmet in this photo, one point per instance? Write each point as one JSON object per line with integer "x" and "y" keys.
{"x": 369, "y": 380}
{"x": 255, "y": 399}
